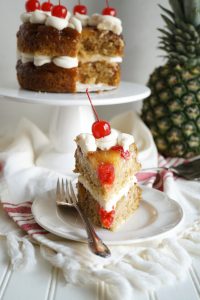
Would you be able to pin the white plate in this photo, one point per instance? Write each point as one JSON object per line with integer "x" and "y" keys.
{"x": 127, "y": 92}
{"x": 156, "y": 217}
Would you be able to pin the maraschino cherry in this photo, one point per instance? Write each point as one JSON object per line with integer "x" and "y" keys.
{"x": 32, "y": 5}
{"x": 80, "y": 9}
{"x": 106, "y": 218}
{"x": 106, "y": 173}
{"x": 47, "y": 6}
{"x": 100, "y": 128}
{"x": 109, "y": 11}
{"x": 124, "y": 154}
{"x": 59, "y": 11}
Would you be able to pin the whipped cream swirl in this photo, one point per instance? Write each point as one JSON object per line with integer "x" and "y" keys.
{"x": 41, "y": 17}
{"x": 76, "y": 22}
{"x": 102, "y": 22}
{"x": 88, "y": 143}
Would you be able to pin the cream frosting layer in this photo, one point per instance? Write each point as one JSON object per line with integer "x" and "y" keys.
{"x": 102, "y": 22}
{"x": 99, "y": 57}
{"x": 81, "y": 87}
{"x": 65, "y": 62}
{"x": 41, "y": 17}
{"x": 112, "y": 202}
{"x": 88, "y": 143}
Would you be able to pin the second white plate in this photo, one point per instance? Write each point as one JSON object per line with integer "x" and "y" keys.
{"x": 156, "y": 217}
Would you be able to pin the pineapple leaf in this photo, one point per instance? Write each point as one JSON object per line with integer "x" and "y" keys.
{"x": 166, "y": 39}
{"x": 177, "y": 7}
{"x": 165, "y": 32}
{"x": 180, "y": 48}
{"x": 189, "y": 28}
{"x": 164, "y": 48}
{"x": 192, "y": 11}
{"x": 179, "y": 39}
{"x": 169, "y": 23}
{"x": 168, "y": 12}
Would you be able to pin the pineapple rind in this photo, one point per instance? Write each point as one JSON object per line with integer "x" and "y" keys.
{"x": 172, "y": 112}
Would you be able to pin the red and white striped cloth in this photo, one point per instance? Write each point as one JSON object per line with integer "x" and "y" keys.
{"x": 23, "y": 217}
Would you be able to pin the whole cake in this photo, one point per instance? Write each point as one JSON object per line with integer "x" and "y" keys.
{"x": 59, "y": 52}
{"x": 106, "y": 161}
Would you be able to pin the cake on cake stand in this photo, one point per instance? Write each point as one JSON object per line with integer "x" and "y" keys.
{"x": 72, "y": 115}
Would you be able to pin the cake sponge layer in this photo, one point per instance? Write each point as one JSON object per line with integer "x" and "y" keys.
{"x": 54, "y": 79}
{"x": 99, "y": 72}
{"x": 94, "y": 41}
{"x": 123, "y": 210}
{"x": 47, "y": 78}
{"x": 87, "y": 165}
{"x": 39, "y": 39}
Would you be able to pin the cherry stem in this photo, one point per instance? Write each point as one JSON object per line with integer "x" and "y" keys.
{"x": 59, "y": 2}
{"x": 107, "y": 3}
{"x": 79, "y": 2}
{"x": 94, "y": 110}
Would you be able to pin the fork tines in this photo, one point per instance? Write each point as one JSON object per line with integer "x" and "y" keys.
{"x": 65, "y": 193}
{"x": 72, "y": 193}
{"x": 60, "y": 192}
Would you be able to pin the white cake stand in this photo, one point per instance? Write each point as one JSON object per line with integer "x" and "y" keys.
{"x": 72, "y": 115}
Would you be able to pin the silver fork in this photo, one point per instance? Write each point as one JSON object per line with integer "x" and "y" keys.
{"x": 66, "y": 196}
{"x": 189, "y": 171}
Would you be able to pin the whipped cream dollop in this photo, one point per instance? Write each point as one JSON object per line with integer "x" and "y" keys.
{"x": 102, "y": 22}
{"x": 107, "y": 142}
{"x": 84, "y": 19}
{"x": 106, "y": 23}
{"x": 88, "y": 143}
{"x": 39, "y": 61}
{"x": 41, "y": 17}
{"x": 66, "y": 62}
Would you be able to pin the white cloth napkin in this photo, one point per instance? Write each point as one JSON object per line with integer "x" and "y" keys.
{"x": 144, "y": 266}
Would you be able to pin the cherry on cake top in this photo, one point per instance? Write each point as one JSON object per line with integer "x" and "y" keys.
{"x": 47, "y": 6}
{"x": 80, "y": 9}
{"x": 109, "y": 11}
{"x": 32, "y": 5}
{"x": 100, "y": 128}
{"x": 59, "y": 10}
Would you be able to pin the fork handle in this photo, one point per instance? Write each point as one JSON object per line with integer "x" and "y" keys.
{"x": 94, "y": 242}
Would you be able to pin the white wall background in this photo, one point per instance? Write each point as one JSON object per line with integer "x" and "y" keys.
{"x": 140, "y": 18}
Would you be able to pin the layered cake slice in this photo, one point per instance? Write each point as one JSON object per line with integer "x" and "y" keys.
{"x": 62, "y": 52}
{"x": 107, "y": 163}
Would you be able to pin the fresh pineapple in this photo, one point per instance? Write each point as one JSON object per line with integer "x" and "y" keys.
{"x": 172, "y": 112}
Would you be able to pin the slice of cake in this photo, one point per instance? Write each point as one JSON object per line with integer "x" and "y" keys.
{"x": 107, "y": 164}
{"x": 59, "y": 52}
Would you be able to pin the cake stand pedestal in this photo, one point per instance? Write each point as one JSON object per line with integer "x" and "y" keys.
{"x": 71, "y": 116}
